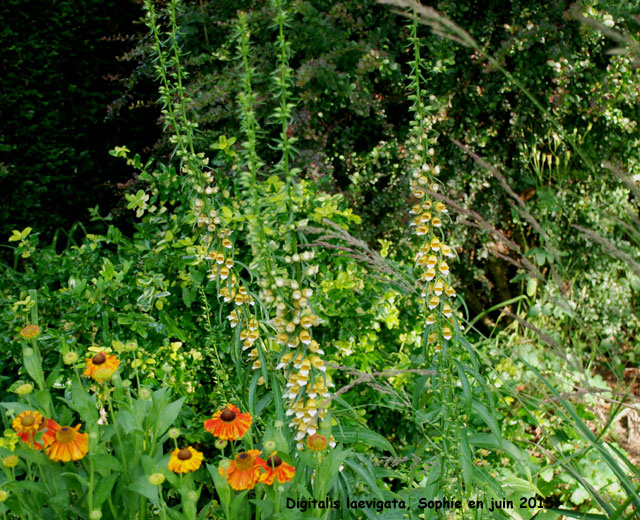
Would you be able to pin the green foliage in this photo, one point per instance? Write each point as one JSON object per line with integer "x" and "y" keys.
{"x": 250, "y": 276}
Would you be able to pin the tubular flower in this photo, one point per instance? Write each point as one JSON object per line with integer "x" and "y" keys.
{"x": 305, "y": 369}
{"x": 101, "y": 366}
{"x": 185, "y": 460}
{"x": 229, "y": 424}
{"x": 276, "y": 468}
{"x": 429, "y": 214}
{"x": 68, "y": 444}
{"x": 244, "y": 471}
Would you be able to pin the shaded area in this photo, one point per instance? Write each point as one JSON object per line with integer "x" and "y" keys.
{"x": 67, "y": 91}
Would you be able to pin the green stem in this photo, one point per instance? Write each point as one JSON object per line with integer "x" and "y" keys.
{"x": 91, "y": 484}
{"x": 121, "y": 453}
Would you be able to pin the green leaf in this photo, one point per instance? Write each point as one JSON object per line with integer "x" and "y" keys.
{"x": 143, "y": 487}
{"x": 105, "y": 463}
{"x": 103, "y": 489}
{"x": 481, "y": 410}
{"x": 466, "y": 387}
{"x": 36, "y": 457}
{"x": 84, "y": 481}
{"x": 466, "y": 461}
{"x": 127, "y": 422}
{"x": 222, "y": 487}
{"x": 227, "y": 213}
{"x": 365, "y": 475}
{"x": 364, "y": 436}
{"x": 20, "y": 486}
{"x": 33, "y": 365}
{"x": 582, "y": 516}
{"x": 252, "y": 394}
{"x": 168, "y": 416}
{"x": 188, "y": 296}
{"x": 490, "y": 441}
{"x": 83, "y": 403}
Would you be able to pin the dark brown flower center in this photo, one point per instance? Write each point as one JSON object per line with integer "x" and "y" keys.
{"x": 244, "y": 461}
{"x": 274, "y": 461}
{"x": 65, "y": 435}
{"x": 185, "y": 454}
{"x": 99, "y": 359}
{"x": 228, "y": 415}
{"x": 28, "y": 420}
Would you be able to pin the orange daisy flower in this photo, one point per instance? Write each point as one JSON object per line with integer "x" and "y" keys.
{"x": 277, "y": 468}
{"x": 244, "y": 471}
{"x": 68, "y": 444}
{"x": 27, "y": 423}
{"x": 101, "y": 366}
{"x": 48, "y": 437}
{"x": 30, "y": 332}
{"x": 185, "y": 460}
{"x": 316, "y": 442}
{"x": 229, "y": 424}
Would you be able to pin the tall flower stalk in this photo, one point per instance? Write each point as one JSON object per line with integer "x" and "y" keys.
{"x": 442, "y": 329}
{"x": 213, "y": 214}
{"x": 307, "y": 390}
{"x": 285, "y": 274}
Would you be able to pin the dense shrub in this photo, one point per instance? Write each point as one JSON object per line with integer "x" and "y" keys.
{"x": 62, "y": 87}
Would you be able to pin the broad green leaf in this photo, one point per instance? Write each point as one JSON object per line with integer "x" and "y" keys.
{"x": 83, "y": 403}
{"x": 222, "y": 487}
{"x": 143, "y": 487}
{"x": 168, "y": 416}
{"x": 105, "y": 463}
{"x": 365, "y": 475}
{"x": 481, "y": 410}
{"x": 103, "y": 488}
{"x": 33, "y": 366}
{"x": 364, "y": 436}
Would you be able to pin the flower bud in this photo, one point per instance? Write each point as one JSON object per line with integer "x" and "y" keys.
{"x": 24, "y": 389}
{"x": 11, "y": 461}
{"x": 156, "y": 479}
{"x": 70, "y": 357}
{"x": 221, "y": 444}
{"x": 174, "y": 433}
